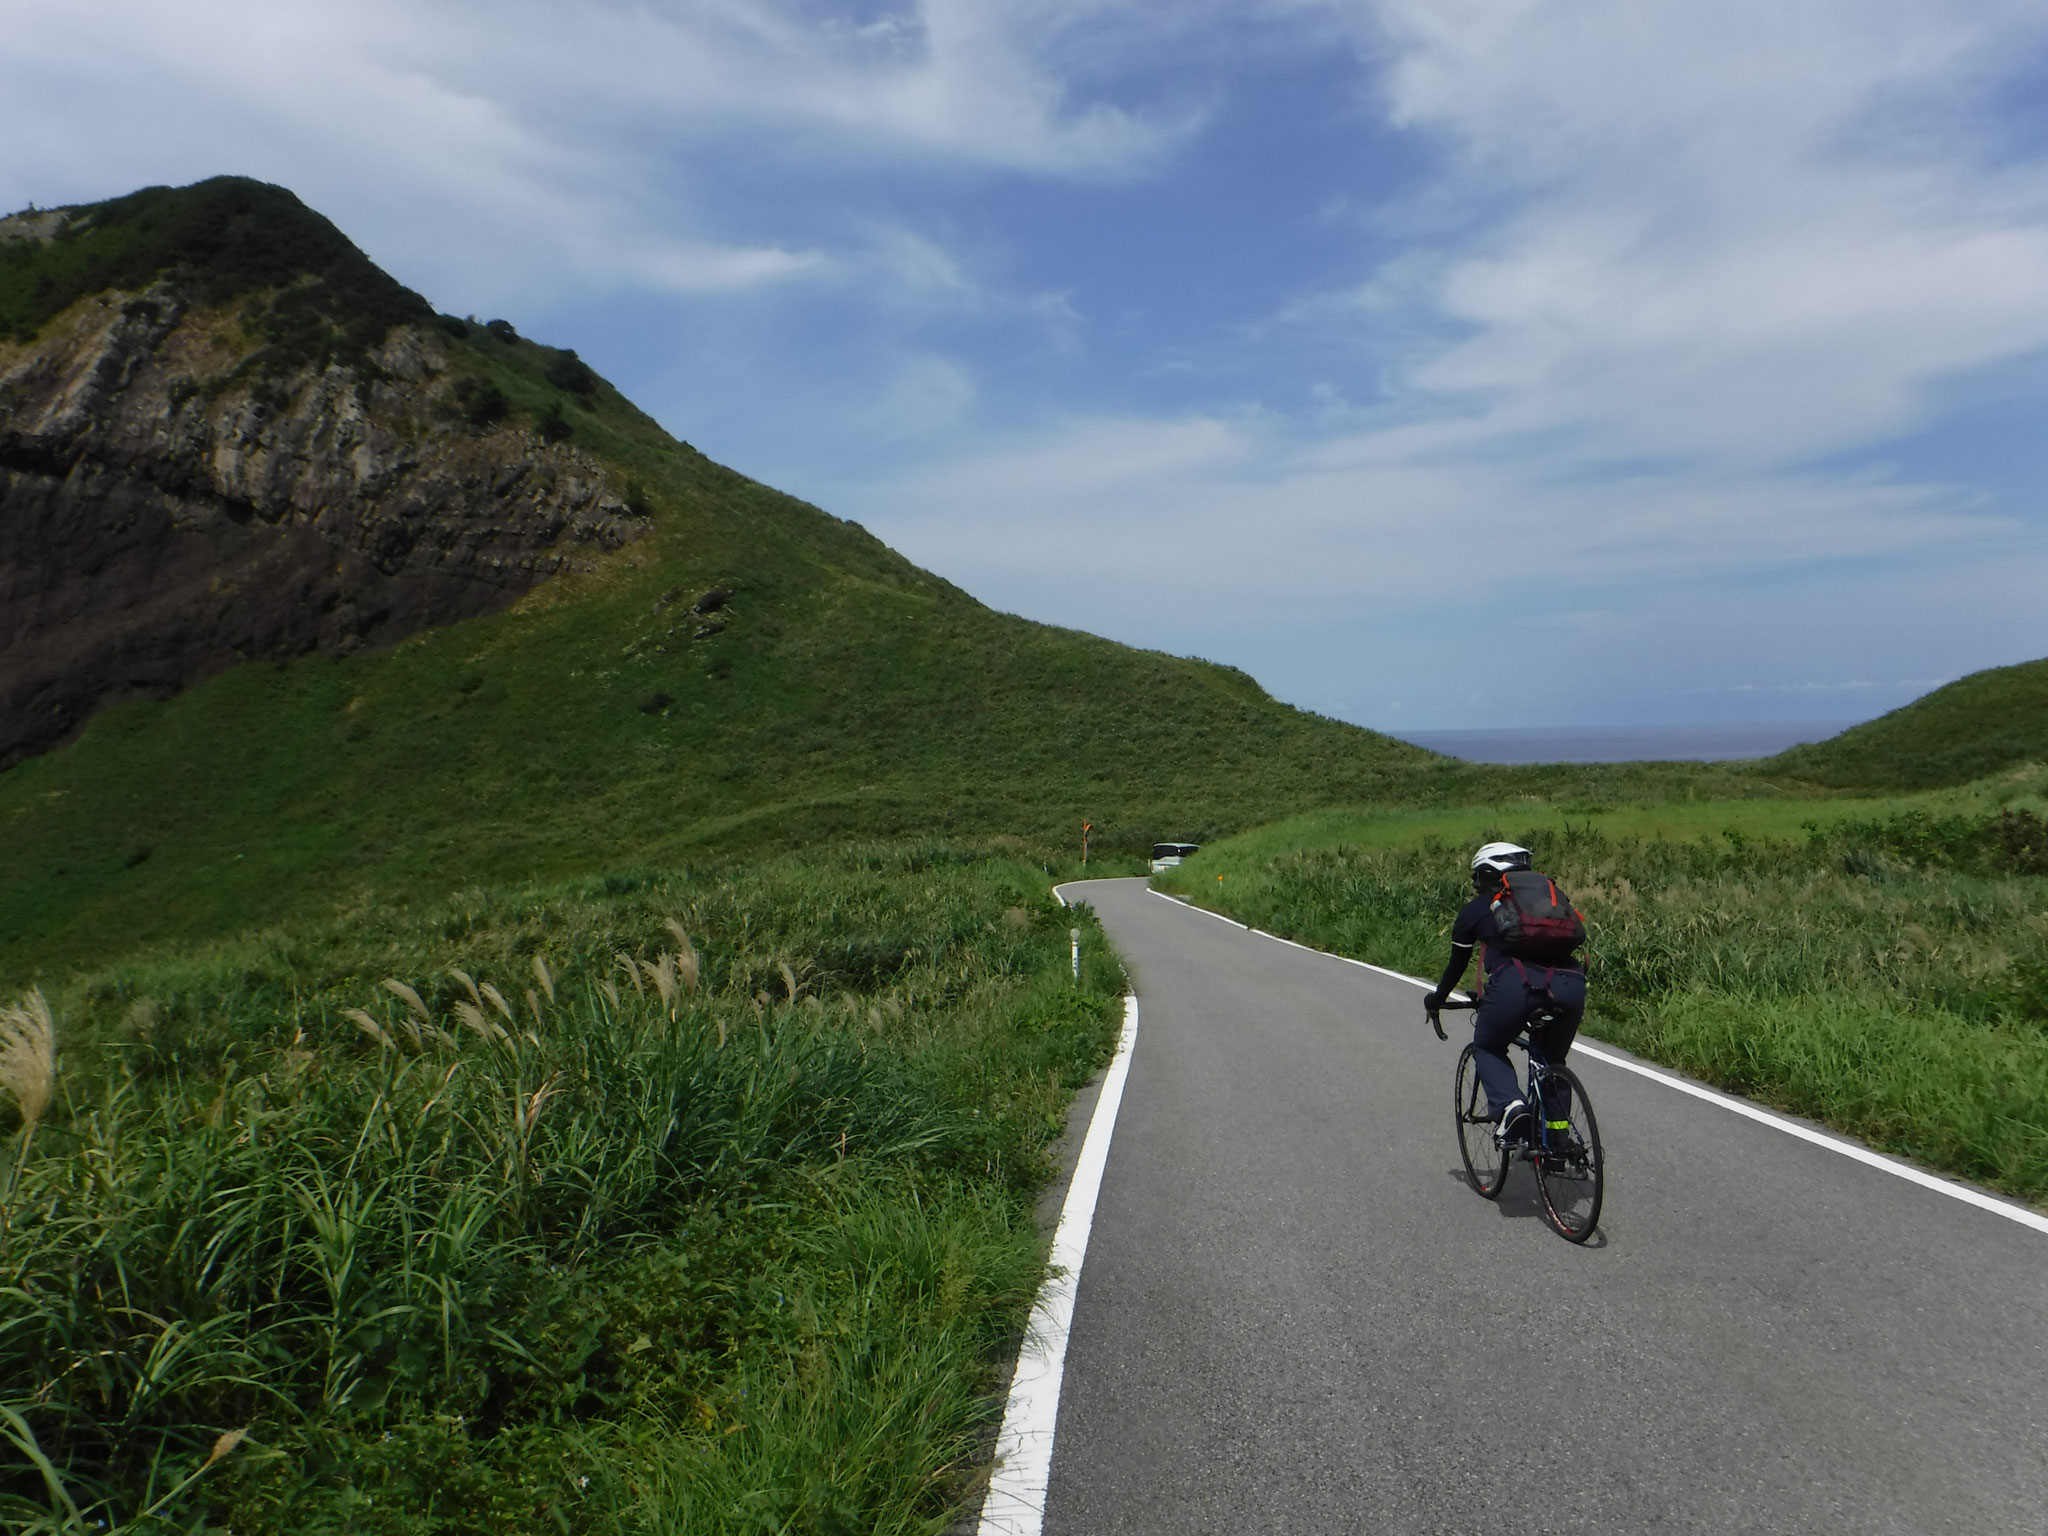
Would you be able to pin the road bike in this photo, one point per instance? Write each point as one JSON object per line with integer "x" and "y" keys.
{"x": 1562, "y": 1146}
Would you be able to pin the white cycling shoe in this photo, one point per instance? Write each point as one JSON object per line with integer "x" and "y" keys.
{"x": 1512, "y": 1130}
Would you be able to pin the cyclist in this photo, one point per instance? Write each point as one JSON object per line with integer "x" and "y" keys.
{"x": 1514, "y": 988}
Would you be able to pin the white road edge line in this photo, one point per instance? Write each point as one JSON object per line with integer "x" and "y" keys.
{"x": 1848, "y": 1149}
{"x": 1015, "y": 1503}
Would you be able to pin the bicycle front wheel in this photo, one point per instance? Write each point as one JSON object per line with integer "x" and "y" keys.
{"x": 1486, "y": 1163}
{"x": 1570, "y": 1170}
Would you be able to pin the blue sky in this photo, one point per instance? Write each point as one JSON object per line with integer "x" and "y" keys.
{"x": 1441, "y": 363}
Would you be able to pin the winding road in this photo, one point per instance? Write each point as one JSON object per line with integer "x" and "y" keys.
{"x": 1294, "y": 1316}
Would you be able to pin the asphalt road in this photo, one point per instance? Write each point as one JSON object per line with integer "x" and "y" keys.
{"x": 1295, "y": 1317}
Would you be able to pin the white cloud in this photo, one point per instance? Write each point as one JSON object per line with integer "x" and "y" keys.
{"x": 689, "y": 267}
{"x": 1207, "y": 507}
{"x": 952, "y": 80}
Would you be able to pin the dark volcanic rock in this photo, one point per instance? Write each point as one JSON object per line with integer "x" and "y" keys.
{"x": 165, "y": 514}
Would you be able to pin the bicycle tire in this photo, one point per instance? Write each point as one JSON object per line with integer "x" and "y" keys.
{"x": 1572, "y": 1187}
{"x": 1486, "y": 1162}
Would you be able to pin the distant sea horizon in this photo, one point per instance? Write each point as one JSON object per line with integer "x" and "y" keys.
{"x": 1625, "y": 743}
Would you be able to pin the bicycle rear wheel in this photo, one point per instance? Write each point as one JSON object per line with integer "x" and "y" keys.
{"x": 1486, "y": 1163}
{"x": 1570, "y": 1170}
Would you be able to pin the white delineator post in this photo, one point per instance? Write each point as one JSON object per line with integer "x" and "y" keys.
{"x": 1015, "y": 1505}
{"x": 1075, "y": 935}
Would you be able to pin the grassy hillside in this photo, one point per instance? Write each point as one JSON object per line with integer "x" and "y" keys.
{"x": 1973, "y": 727}
{"x": 847, "y": 695}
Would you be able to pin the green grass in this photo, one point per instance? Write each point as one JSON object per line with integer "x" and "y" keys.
{"x": 1882, "y": 966}
{"x": 1983, "y": 724}
{"x": 641, "y": 1256}
{"x": 1636, "y": 808}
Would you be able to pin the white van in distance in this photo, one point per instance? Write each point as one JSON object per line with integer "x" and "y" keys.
{"x": 1166, "y": 855}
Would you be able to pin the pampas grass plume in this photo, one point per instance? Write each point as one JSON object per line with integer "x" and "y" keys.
{"x": 662, "y": 972}
{"x": 370, "y": 1027}
{"x": 28, "y": 1056}
{"x": 484, "y": 1026}
{"x": 410, "y": 998}
{"x": 687, "y": 963}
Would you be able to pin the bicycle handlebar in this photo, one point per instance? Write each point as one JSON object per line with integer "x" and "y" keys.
{"x": 1449, "y": 1002}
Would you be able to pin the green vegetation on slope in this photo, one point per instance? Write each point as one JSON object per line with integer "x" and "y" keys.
{"x": 1974, "y": 727}
{"x": 216, "y": 240}
{"x": 611, "y": 1232}
{"x": 1884, "y": 969}
{"x": 847, "y": 696}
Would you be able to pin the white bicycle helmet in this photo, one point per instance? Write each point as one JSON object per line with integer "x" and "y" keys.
{"x": 1500, "y": 858}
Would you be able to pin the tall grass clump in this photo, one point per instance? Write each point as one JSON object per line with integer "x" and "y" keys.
{"x": 1887, "y": 975}
{"x": 676, "y": 1205}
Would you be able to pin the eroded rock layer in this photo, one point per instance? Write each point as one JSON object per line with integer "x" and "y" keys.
{"x": 167, "y": 511}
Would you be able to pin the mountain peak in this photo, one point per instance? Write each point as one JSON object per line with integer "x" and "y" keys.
{"x": 214, "y": 241}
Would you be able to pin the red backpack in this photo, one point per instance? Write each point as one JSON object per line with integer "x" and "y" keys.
{"x": 1534, "y": 920}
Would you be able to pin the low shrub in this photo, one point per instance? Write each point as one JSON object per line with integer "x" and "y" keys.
{"x": 483, "y": 404}
{"x": 569, "y": 373}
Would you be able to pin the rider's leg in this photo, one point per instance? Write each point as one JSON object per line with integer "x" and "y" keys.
{"x": 1502, "y": 1008}
{"x": 1568, "y": 999}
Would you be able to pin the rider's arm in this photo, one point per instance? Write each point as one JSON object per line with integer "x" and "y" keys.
{"x": 1465, "y": 933}
{"x": 1461, "y": 956}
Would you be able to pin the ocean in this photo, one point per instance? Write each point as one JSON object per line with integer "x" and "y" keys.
{"x": 1625, "y": 743}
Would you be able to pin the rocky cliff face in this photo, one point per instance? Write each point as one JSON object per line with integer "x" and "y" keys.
{"x": 167, "y": 512}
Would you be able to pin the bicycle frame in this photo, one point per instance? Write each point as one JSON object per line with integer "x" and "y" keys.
{"x": 1536, "y": 1078}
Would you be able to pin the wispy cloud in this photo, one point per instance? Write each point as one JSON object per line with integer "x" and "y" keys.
{"x": 1744, "y": 232}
